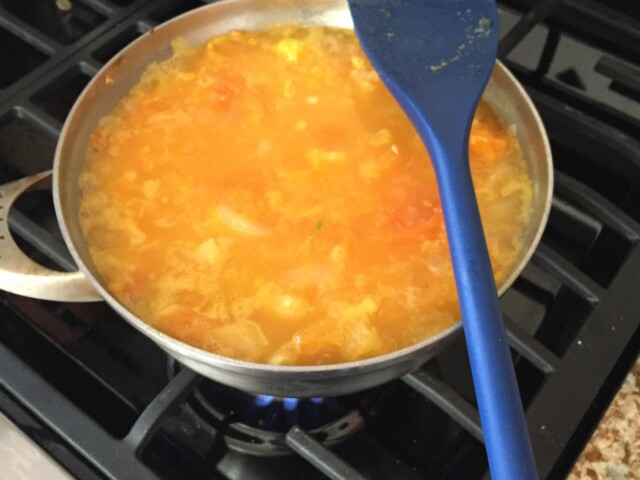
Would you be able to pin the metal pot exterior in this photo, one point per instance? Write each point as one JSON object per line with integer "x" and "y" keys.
{"x": 122, "y": 72}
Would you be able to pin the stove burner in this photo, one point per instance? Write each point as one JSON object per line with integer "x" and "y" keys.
{"x": 258, "y": 424}
{"x": 245, "y": 439}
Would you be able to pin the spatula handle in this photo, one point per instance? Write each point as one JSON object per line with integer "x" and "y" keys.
{"x": 501, "y": 414}
{"x": 503, "y": 422}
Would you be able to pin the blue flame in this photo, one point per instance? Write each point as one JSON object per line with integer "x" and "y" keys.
{"x": 264, "y": 400}
{"x": 290, "y": 403}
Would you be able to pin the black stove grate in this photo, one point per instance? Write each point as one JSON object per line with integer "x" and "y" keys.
{"x": 95, "y": 393}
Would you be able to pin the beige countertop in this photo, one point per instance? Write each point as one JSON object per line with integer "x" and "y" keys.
{"x": 22, "y": 459}
{"x": 614, "y": 449}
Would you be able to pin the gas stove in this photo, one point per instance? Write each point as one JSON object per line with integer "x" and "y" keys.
{"x": 104, "y": 402}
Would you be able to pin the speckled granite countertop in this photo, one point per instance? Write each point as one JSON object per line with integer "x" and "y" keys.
{"x": 614, "y": 450}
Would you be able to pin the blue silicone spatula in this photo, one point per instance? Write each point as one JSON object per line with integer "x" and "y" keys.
{"x": 436, "y": 56}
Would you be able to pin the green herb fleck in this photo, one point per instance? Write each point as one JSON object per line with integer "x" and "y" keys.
{"x": 319, "y": 225}
{"x": 484, "y": 26}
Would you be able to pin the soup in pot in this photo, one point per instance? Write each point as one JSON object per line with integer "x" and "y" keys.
{"x": 263, "y": 197}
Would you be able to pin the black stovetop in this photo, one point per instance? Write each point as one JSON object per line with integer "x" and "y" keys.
{"x": 105, "y": 402}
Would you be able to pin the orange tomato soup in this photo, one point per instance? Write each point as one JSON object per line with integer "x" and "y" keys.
{"x": 263, "y": 197}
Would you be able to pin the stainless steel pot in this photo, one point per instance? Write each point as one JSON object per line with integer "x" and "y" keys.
{"x": 20, "y": 275}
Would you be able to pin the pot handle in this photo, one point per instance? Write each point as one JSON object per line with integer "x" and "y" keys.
{"x": 19, "y": 274}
